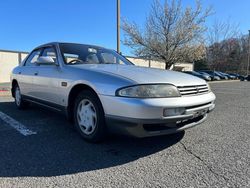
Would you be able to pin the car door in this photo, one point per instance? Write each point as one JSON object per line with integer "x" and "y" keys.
{"x": 26, "y": 73}
{"x": 46, "y": 81}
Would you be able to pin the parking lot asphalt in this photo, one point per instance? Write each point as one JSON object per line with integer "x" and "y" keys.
{"x": 213, "y": 154}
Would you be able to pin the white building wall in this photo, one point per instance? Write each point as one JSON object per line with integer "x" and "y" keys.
{"x": 8, "y": 60}
{"x": 160, "y": 65}
{"x": 23, "y": 56}
{"x": 183, "y": 66}
{"x": 146, "y": 63}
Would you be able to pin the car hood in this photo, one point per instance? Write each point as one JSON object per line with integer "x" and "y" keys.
{"x": 144, "y": 75}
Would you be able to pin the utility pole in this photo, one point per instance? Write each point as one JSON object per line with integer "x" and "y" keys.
{"x": 118, "y": 25}
{"x": 248, "y": 59}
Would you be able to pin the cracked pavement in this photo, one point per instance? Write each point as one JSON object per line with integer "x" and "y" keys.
{"x": 213, "y": 154}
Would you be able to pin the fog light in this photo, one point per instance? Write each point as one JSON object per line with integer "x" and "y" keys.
{"x": 173, "y": 111}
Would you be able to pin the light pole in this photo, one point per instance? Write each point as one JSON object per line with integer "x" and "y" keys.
{"x": 118, "y": 25}
{"x": 248, "y": 59}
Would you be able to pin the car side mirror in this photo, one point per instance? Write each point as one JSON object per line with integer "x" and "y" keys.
{"x": 46, "y": 60}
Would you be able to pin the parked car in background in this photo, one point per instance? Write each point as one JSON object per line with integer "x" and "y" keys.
{"x": 240, "y": 77}
{"x": 212, "y": 76}
{"x": 228, "y": 75}
{"x": 102, "y": 91}
{"x": 248, "y": 78}
{"x": 234, "y": 74}
{"x": 233, "y": 77}
{"x": 202, "y": 76}
{"x": 215, "y": 73}
{"x": 223, "y": 76}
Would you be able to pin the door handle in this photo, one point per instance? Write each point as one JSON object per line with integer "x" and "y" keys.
{"x": 36, "y": 73}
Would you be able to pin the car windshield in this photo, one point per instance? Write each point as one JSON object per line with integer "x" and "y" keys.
{"x": 75, "y": 54}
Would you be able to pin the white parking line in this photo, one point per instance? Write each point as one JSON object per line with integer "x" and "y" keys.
{"x": 16, "y": 125}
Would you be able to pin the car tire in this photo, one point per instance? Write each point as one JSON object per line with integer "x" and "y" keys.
{"x": 89, "y": 117}
{"x": 20, "y": 103}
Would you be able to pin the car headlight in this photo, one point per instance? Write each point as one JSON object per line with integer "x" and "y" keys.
{"x": 149, "y": 91}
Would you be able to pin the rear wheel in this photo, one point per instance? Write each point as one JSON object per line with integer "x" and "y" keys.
{"x": 89, "y": 116}
{"x": 20, "y": 103}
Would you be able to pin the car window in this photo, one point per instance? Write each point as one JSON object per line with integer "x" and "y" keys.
{"x": 33, "y": 58}
{"x": 110, "y": 58}
{"x": 92, "y": 59}
{"x": 50, "y": 52}
{"x": 69, "y": 57}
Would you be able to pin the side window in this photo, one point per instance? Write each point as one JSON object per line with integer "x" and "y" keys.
{"x": 50, "y": 52}
{"x": 110, "y": 58}
{"x": 92, "y": 59}
{"x": 32, "y": 58}
{"x": 70, "y": 57}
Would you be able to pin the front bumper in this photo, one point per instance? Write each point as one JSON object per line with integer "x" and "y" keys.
{"x": 144, "y": 117}
{"x": 147, "y": 130}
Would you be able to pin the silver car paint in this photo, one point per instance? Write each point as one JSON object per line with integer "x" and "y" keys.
{"x": 144, "y": 75}
{"x": 47, "y": 84}
{"x": 149, "y": 108}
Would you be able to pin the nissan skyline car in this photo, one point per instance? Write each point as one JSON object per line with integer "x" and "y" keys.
{"x": 101, "y": 92}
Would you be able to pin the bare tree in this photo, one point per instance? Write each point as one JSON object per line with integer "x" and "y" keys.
{"x": 221, "y": 31}
{"x": 244, "y": 50}
{"x": 222, "y": 42}
{"x": 171, "y": 34}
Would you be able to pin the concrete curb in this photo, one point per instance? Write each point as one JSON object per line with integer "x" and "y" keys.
{"x": 5, "y": 89}
{"x": 4, "y": 93}
{"x": 223, "y": 81}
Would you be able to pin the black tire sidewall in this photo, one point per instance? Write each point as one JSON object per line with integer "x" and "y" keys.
{"x": 20, "y": 105}
{"x": 23, "y": 104}
{"x": 100, "y": 130}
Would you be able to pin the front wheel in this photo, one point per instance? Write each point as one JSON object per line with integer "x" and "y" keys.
{"x": 89, "y": 116}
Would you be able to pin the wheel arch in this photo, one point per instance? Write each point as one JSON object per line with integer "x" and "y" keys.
{"x": 75, "y": 90}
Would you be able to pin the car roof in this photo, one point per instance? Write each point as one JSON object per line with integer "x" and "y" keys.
{"x": 58, "y": 43}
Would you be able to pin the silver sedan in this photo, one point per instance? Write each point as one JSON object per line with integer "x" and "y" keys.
{"x": 101, "y": 91}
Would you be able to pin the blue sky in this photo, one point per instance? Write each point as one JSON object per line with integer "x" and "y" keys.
{"x": 26, "y": 24}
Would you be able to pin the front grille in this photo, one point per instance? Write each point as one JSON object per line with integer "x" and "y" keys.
{"x": 193, "y": 90}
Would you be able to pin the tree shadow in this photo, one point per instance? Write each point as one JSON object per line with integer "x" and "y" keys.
{"x": 57, "y": 149}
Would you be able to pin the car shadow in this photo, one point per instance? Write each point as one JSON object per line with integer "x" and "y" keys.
{"x": 57, "y": 149}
